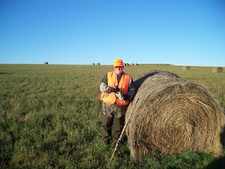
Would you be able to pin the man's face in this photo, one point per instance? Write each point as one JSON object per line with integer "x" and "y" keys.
{"x": 118, "y": 70}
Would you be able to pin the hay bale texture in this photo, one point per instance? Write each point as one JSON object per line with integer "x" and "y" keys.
{"x": 217, "y": 70}
{"x": 169, "y": 115}
{"x": 186, "y": 68}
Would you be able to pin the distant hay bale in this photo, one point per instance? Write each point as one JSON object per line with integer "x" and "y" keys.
{"x": 46, "y": 63}
{"x": 170, "y": 115}
{"x": 186, "y": 68}
{"x": 217, "y": 70}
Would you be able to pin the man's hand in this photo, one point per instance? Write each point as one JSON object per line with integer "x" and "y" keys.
{"x": 120, "y": 96}
{"x": 115, "y": 90}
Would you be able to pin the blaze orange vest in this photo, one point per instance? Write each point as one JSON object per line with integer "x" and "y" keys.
{"x": 113, "y": 82}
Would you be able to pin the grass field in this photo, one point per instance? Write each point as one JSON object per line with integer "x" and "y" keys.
{"x": 50, "y": 114}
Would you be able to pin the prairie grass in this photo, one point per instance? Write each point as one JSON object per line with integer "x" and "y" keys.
{"x": 50, "y": 118}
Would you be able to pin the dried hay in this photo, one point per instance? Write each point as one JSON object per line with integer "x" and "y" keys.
{"x": 170, "y": 115}
{"x": 217, "y": 70}
{"x": 186, "y": 68}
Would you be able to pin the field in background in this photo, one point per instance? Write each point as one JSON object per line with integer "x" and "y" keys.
{"x": 49, "y": 117}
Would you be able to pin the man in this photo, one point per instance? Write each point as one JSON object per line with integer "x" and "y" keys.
{"x": 117, "y": 91}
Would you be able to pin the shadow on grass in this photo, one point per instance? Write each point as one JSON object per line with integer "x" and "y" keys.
{"x": 218, "y": 163}
{"x": 4, "y": 73}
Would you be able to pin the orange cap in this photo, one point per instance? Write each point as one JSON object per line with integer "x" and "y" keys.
{"x": 118, "y": 62}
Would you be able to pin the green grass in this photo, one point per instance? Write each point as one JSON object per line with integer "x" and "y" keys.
{"x": 50, "y": 114}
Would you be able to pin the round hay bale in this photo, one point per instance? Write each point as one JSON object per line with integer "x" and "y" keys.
{"x": 186, "y": 68}
{"x": 217, "y": 70}
{"x": 169, "y": 115}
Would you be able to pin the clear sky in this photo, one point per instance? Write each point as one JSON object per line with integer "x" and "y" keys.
{"x": 180, "y": 32}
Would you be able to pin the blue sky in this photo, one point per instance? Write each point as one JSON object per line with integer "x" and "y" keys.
{"x": 180, "y": 32}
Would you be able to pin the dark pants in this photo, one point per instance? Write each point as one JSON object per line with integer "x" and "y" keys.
{"x": 111, "y": 128}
